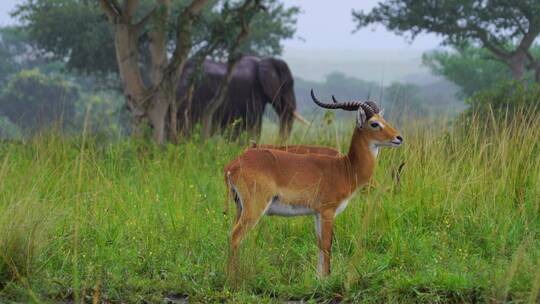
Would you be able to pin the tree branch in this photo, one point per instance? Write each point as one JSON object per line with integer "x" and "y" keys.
{"x": 484, "y": 38}
{"x": 183, "y": 35}
{"x": 158, "y": 41}
{"x": 139, "y": 25}
{"x": 129, "y": 8}
{"x": 111, "y": 9}
{"x": 529, "y": 38}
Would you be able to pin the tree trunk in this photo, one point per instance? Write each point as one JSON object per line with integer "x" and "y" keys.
{"x": 517, "y": 70}
{"x": 157, "y": 115}
{"x": 517, "y": 66}
{"x": 127, "y": 58}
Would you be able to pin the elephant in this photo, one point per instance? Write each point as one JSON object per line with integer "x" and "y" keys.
{"x": 255, "y": 82}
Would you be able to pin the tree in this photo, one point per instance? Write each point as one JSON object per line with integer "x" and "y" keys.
{"x": 8, "y": 129}
{"x": 471, "y": 68}
{"x": 33, "y": 100}
{"x": 506, "y": 28}
{"x": 17, "y": 53}
{"x": 8, "y": 49}
{"x": 147, "y": 43}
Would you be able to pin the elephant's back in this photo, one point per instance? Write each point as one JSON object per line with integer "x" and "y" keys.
{"x": 212, "y": 68}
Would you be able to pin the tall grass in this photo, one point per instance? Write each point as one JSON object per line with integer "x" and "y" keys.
{"x": 132, "y": 222}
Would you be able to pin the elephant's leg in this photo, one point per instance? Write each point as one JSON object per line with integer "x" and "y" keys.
{"x": 254, "y": 117}
{"x": 254, "y": 130}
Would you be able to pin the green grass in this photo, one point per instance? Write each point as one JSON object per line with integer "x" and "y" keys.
{"x": 129, "y": 222}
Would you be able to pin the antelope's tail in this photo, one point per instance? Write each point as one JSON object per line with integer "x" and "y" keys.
{"x": 228, "y": 195}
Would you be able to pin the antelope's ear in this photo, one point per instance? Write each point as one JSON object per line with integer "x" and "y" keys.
{"x": 360, "y": 118}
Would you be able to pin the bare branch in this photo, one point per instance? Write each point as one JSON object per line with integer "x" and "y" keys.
{"x": 111, "y": 9}
{"x": 531, "y": 57}
{"x": 499, "y": 52}
{"x": 529, "y": 38}
{"x": 158, "y": 40}
{"x": 183, "y": 35}
{"x": 129, "y": 8}
{"x": 116, "y": 6}
{"x": 139, "y": 25}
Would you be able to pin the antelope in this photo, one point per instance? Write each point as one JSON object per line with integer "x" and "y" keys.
{"x": 275, "y": 182}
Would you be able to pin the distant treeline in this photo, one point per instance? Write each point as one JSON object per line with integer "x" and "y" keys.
{"x": 396, "y": 98}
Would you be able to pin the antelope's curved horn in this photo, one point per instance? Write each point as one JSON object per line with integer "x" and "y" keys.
{"x": 334, "y": 99}
{"x": 368, "y": 110}
{"x": 373, "y": 106}
{"x": 347, "y": 106}
{"x": 301, "y": 119}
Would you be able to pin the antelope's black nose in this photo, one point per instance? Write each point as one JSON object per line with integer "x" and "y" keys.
{"x": 399, "y": 138}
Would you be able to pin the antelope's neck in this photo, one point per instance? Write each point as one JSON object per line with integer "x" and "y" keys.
{"x": 362, "y": 158}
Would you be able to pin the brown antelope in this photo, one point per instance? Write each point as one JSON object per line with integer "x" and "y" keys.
{"x": 275, "y": 182}
{"x": 298, "y": 149}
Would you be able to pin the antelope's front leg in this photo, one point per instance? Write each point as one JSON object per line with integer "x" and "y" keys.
{"x": 324, "y": 223}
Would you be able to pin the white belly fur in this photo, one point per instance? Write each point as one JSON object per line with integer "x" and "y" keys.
{"x": 278, "y": 208}
{"x": 275, "y": 207}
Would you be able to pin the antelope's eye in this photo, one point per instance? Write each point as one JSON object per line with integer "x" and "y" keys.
{"x": 375, "y": 125}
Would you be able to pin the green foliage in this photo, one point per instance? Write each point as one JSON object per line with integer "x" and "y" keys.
{"x": 506, "y": 98}
{"x": 8, "y": 129}
{"x": 70, "y": 29}
{"x": 33, "y": 100}
{"x": 507, "y": 29}
{"x": 472, "y": 69}
{"x": 28, "y": 79}
{"x": 17, "y": 53}
{"x": 8, "y": 49}
{"x": 104, "y": 113}
{"x": 77, "y": 30}
{"x": 268, "y": 29}
{"x": 137, "y": 223}
{"x": 457, "y": 21}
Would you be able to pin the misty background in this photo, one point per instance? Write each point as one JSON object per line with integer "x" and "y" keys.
{"x": 328, "y": 54}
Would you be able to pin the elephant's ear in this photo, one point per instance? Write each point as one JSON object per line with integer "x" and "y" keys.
{"x": 269, "y": 78}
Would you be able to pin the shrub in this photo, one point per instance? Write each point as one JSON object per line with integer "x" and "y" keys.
{"x": 34, "y": 101}
{"x": 495, "y": 108}
{"x": 8, "y": 129}
{"x": 508, "y": 97}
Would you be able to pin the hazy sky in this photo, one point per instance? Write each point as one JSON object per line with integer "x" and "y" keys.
{"x": 322, "y": 24}
{"x": 329, "y": 25}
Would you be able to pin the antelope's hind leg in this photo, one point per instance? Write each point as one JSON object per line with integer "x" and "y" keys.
{"x": 251, "y": 206}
